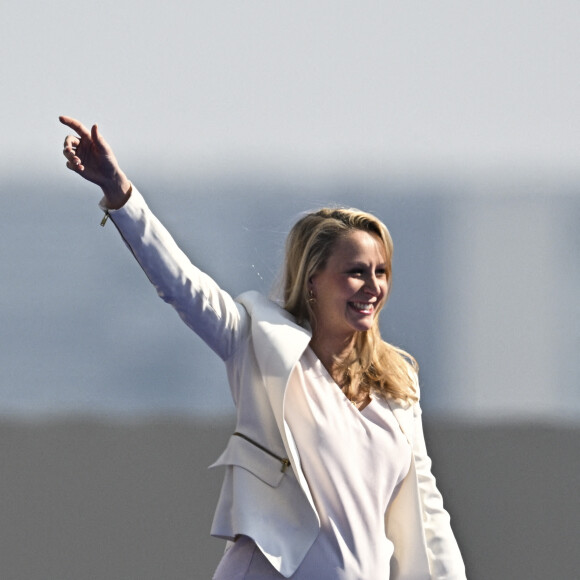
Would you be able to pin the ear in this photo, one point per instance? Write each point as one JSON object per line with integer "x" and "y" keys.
{"x": 311, "y": 293}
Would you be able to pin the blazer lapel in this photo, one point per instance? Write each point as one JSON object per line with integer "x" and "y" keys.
{"x": 278, "y": 341}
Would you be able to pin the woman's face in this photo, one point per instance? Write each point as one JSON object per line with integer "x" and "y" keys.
{"x": 349, "y": 291}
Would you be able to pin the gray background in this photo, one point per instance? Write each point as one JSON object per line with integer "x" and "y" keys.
{"x": 86, "y": 499}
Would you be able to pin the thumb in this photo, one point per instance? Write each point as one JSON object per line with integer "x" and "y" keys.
{"x": 98, "y": 139}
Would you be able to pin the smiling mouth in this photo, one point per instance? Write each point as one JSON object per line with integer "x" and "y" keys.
{"x": 362, "y": 307}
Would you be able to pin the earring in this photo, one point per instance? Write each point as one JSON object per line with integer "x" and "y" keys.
{"x": 311, "y": 297}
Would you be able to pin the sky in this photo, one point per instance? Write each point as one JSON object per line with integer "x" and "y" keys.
{"x": 449, "y": 87}
{"x": 470, "y": 98}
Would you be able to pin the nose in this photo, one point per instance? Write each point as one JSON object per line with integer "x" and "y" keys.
{"x": 372, "y": 285}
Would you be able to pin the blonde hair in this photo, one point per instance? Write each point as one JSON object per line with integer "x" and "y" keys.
{"x": 373, "y": 365}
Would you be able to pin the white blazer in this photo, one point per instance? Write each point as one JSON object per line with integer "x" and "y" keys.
{"x": 265, "y": 494}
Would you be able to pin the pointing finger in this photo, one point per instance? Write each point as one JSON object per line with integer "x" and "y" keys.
{"x": 75, "y": 126}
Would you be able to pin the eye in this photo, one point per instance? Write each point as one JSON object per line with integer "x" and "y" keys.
{"x": 356, "y": 272}
{"x": 381, "y": 272}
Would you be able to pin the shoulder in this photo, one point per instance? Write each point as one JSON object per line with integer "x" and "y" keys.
{"x": 278, "y": 341}
{"x": 414, "y": 374}
{"x": 262, "y": 308}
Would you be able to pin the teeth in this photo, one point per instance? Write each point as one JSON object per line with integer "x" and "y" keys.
{"x": 363, "y": 306}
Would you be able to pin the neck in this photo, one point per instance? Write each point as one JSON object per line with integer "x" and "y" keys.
{"x": 331, "y": 352}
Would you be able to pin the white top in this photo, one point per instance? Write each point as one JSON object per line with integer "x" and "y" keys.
{"x": 353, "y": 461}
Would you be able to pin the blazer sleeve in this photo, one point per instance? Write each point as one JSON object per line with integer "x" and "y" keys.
{"x": 207, "y": 309}
{"x": 445, "y": 561}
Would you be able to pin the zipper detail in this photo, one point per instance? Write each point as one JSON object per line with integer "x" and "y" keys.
{"x": 283, "y": 460}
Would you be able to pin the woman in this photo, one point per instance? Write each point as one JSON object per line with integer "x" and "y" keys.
{"x": 326, "y": 474}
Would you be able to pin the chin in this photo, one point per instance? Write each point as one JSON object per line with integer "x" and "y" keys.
{"x": 363, "y": 327}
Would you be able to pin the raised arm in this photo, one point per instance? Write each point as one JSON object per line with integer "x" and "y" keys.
{"x": 89, "y": 155}
{"x": 198, "y": 299}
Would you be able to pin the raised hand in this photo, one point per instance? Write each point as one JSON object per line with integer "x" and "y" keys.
{"x": 89, "y": 155}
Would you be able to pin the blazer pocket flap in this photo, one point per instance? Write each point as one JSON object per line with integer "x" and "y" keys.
{"x": 242, "y": 453}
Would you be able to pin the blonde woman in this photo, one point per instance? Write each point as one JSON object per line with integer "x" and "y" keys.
{"x": 326, "y": 474}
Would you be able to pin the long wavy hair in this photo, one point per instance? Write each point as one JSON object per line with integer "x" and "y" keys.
{"x": 373, "y": 366}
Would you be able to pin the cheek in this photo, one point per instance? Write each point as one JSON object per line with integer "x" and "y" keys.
{"x": 351, "y": 288}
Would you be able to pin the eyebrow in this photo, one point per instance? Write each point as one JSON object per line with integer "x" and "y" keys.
{"x": 365, "y": 265}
